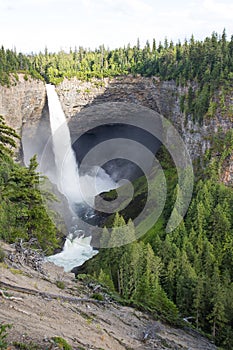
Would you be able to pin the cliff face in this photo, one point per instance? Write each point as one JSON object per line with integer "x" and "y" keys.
{"x": 163, "y": 97}
{"x": 227, "y": 175}
{"x": 24, "y": 107}
{"x": 22, "y": 104}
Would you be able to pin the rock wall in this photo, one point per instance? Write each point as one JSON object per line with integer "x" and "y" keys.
{"x": 24, "y": 104}
{"x": 163, "y": 97}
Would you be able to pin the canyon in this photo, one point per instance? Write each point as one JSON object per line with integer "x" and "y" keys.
{"x": 24, "y": 106}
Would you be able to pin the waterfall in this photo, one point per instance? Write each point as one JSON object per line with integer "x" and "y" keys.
{"x": 67, "y": 178}
{"x": 77, "y": 189}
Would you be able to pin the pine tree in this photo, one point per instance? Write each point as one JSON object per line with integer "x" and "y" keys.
{"x": 217, "y": 317}
{"x": 23, "y": 191}
{"x": 186, "y": 280}
{"x": 106, "y": 280}
{"x": 199, "y": 302}
{"x": 154, "y": 46}
{"x": 7, "y": 139}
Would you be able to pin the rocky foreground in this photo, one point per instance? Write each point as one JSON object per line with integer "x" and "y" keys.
{"x": 43, "y": 303}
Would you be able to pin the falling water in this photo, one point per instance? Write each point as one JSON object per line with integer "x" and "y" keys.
{"x": 75, "y": 188}
{"x": 67, "y": 178}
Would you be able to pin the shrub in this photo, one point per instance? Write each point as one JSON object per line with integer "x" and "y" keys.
{"x": 24, "y": 346}
{"x": 3, "y": 335}
{"x": 2, "y": 255}
{"x": 60, "y": 284}
{"x": 97, "y": 296}
{"x": 62, "y": 343}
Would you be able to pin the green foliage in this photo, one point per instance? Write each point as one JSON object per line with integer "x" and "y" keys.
{"x": 3, "y": 335}
{"x": 221, "y": 149}
{"x": 198, "y": 260}
{"x": 97, "y": 296}
{"x": 26, "y": 346}
{"x": 22, "y": 211}
{"x": 12, "y": 63}
{"x": 2, "y": 255}
{"x": 7, "y": 140}
{"x": 60, "y": 284}
{"x": 62, "y": 343}
{"x": 188, "y": 271}
{"x": 207, "y": 64}
{"x": 105, "y": 279}
{"x": 133, "y": 271}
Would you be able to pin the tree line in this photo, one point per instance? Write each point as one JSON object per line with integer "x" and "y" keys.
{"x": 204, "y": 66}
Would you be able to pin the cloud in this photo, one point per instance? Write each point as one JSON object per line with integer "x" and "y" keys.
{"x": 223, "y": 9}
{"x": 19, "y": 3}
{"x": 214, "y": 15}
{"x": 134, "y": 6}
{"x": 32, "y": 24}
{"x": 127, "y": 7}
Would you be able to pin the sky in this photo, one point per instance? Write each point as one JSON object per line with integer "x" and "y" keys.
{"x": 31, "y": 25}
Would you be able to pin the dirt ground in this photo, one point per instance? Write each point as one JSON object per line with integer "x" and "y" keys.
{"x": 39, "y": 310}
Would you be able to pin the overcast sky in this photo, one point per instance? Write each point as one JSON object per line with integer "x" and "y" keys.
{"x": 30, "y": 25}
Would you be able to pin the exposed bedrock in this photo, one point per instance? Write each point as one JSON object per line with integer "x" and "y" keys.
{"x": 25, "y": 108}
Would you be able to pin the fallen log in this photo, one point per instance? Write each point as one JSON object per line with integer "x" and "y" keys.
{"x": 50, "y": 295}
{"x": 8, "y": 298}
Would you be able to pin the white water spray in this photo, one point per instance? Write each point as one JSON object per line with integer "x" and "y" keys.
{"x": 75, "y": 188}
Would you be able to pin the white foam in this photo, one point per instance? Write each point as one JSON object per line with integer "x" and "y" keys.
{"x": 75, "y": 252}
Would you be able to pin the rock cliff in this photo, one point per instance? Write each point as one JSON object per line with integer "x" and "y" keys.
{"x": 22, "y": 103}
{"x": 161, "y": 96}
{"x": 24, "y": 107}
